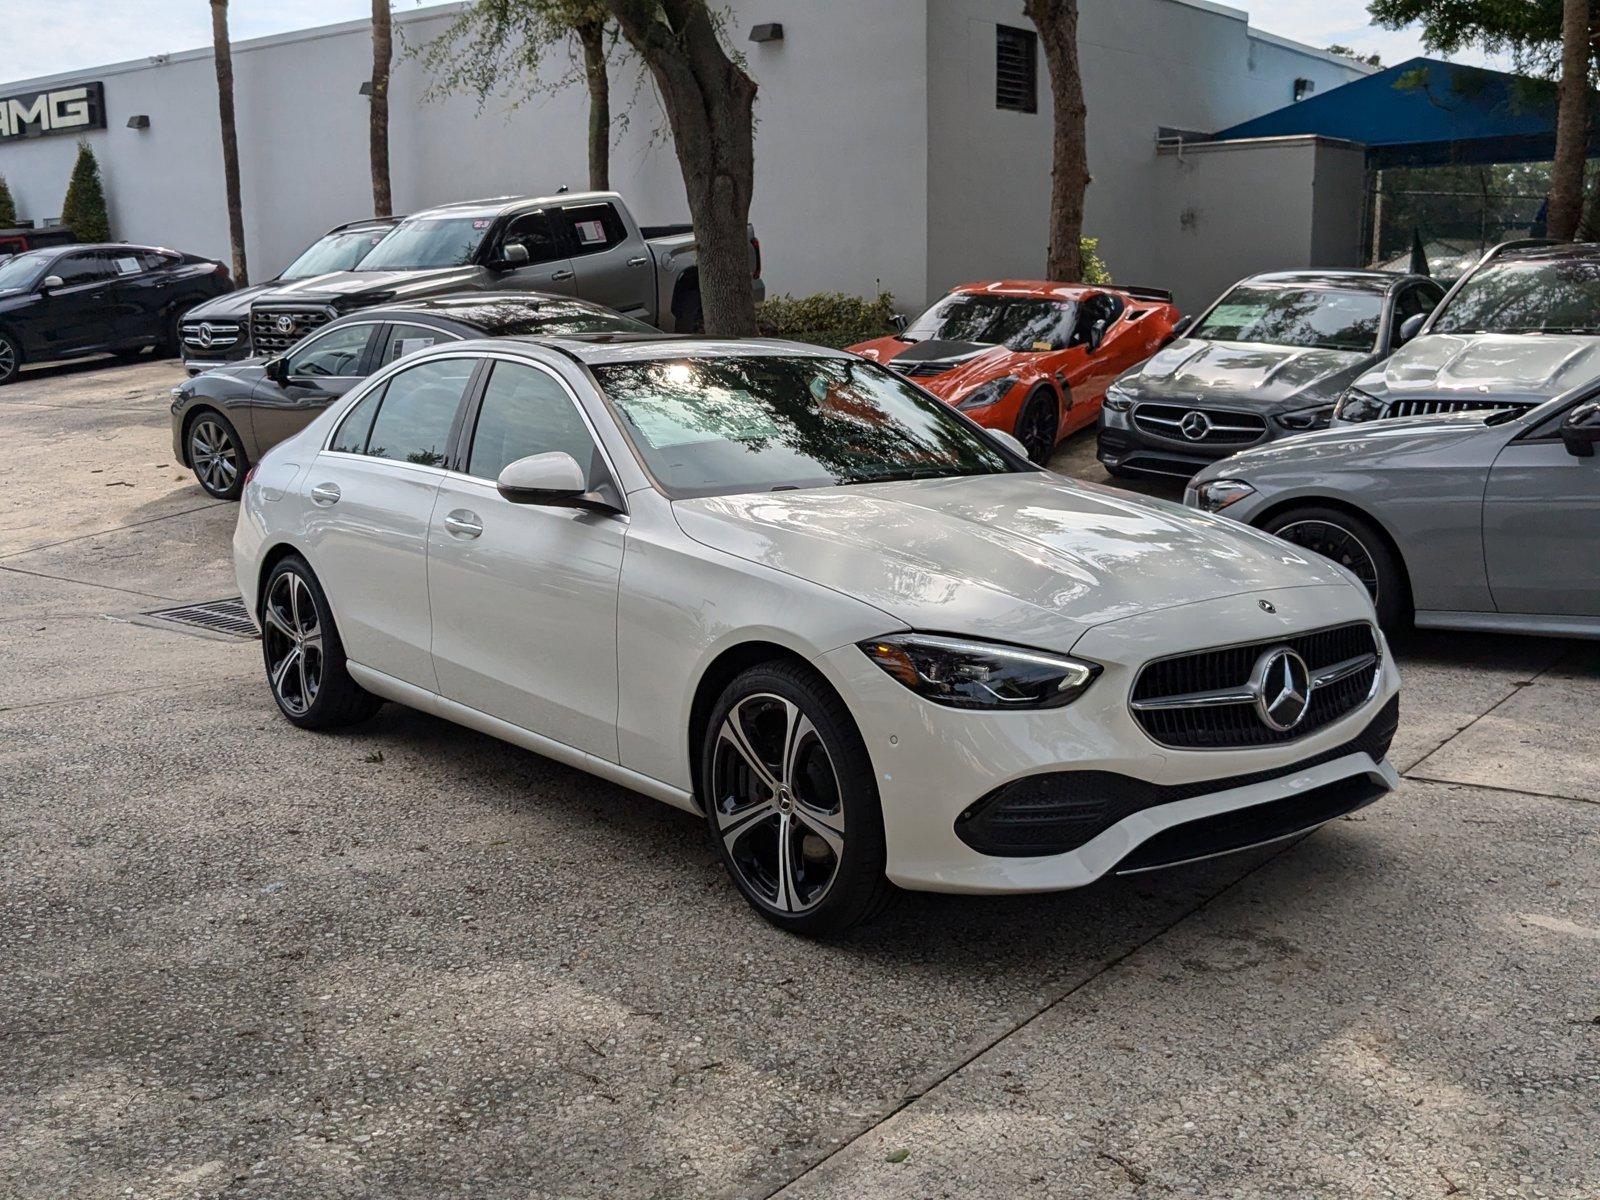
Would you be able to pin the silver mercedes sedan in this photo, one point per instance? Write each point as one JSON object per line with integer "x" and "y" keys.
{"x": 1467, "y": 520}
{"x": 784, "y": 588}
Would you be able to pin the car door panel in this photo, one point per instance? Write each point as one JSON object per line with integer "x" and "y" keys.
{"x": 75, "y": 317}
{"x": 321, "y": 369}
{"x": 138, "y": 296}
{"x": 613, "y": 264}
{"x": 549, "y": 266}
{"x": 1541, "y": 528}
{"x": 524, "y": 596}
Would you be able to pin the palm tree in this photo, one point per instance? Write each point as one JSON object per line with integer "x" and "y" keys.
{"x": 223, "y": 54}
{"x": 382, "y": 48}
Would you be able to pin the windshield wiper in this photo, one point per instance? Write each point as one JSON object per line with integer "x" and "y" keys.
{"x": 900, "y": 476}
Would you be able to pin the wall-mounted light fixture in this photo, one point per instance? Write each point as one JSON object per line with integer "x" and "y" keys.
{"x": 770, "y": 31}
{"x": 139, "y": 121}
{"x": 366, "y": 87}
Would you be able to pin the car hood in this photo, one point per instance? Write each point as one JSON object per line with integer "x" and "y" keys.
{"x": 1192, "y": 371}
{"x": 247, "y": 371}
{"x": 1388, "y": 441}
{"x": 377, "y": 285}
{"x": 966, "y": 364}
{"x": 1030, "y": 558}
{"x": 1515, "y": 367}
{"x": 230, "y": 306}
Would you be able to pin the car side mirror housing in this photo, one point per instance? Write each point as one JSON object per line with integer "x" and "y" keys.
{"x": 899, "y": 321}
{"x": 512, "y": 257}
{"x": 277, "y": 370}
{"x": 1409, "y": 328}
{"x": 1581, "y": 430}
{"x": 1181, "y": 326}
{"x": 1097, "y": 334}
{"x": 553, "y": 479}
{"x": 51, "y": 282}
{"x": 1008, "y": 441}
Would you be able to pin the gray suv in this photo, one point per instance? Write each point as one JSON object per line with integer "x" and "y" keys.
{"x": 1470, "y": 520}
{"x": 1268, "y": 359}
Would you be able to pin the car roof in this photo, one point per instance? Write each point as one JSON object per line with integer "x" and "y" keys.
{"x": 1033, "y": 289}
{"x": 478, "y": 310}
{"x": 494, "y": 206}
{"x": 1349, "y": 280}
{"x": 1570, "y": 251}
{"x": 365, "y": 223}
{"x": 597, "y": 349}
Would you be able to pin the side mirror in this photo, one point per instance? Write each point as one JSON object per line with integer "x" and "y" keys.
{"x": 51, "y": 282}
{"x": 512, "y": 257}
{"x": 1409, "y": 328}
{"x": 554, "y": 479}
{"x": 898, "y": 320}
{"x": 1181, "y": 326}
{"x": 1097, "y": 334}
{"x": 277, "y": 370}
{"x": 1581, "y": 430}
{"x": 1009, "y": 442}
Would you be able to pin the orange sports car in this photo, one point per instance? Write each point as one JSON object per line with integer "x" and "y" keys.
{"x": 1027, "y": 357}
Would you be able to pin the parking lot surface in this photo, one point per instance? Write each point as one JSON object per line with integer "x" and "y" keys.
{"x": 238, "y": 959}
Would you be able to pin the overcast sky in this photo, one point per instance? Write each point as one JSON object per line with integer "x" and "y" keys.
{"x": 43, "y": 37}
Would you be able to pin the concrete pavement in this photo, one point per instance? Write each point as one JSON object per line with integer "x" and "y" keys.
{"x": 410, "y": 961}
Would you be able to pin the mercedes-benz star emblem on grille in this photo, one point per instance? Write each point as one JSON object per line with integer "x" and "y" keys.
{"x": 1267, "y": 606}
{"x": 203, "y": 334}
{"x": 1195, "y": 425}
{"x": 286, "y": 324}
{"x": 1282, "y": 686}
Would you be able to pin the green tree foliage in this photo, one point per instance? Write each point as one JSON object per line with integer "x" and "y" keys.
{"x": 8, "y": 206}
{"x": 1095, "y": 270}
{"x": 84, "y": 208}
{"x": 1372, "y": 60}
{"x": 1529, "y": 31}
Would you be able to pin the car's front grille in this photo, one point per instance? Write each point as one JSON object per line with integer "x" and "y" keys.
{"x": 921, "y": 370}
{"x": 276, "y": 329}
{"x": 1428, "y": 408}
{"x": 1202, "y": 426}
{"x": 1059, "y": 811}
{"x": 203, "y": 338}
{"x": 1212, "y": 699}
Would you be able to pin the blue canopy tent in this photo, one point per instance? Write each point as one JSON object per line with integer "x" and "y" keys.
{"x": 1426, "y": 113}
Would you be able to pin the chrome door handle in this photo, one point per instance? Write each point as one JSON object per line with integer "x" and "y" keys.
{"x": 462, "y": 523}
{"x": 638, "y": 262}
{"x": 325, "y": 494}
{"x": 560, "y": 276}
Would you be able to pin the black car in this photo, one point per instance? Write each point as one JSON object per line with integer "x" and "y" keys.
{"x": 227, "y": 418}
{"x": 219, "y": 332}
{"x": 69, "y": 301}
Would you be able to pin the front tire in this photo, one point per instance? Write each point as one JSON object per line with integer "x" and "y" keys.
{"x": 1038, "y": 425}
{"x": 792, "y": 802}
{"x": 10, "y": 358}
{"x": 303, "y": 654}
{"x": 1353, "y": 543}
{"x": 216, "y": 455}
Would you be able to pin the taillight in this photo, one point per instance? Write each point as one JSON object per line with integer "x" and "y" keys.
{"x": 755, "y": 244}
{"x": 222, "y": 270}
{"x": 251, "y": 473}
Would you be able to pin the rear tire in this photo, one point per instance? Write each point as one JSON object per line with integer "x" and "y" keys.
{"x": 791, "y": 801}
{"x": 10, "y": 358}
{"x": 687, "y": 314}
{"x": 1356, "y": 544}
{"x": 303, "y": 654}
{"x": 171, "y": 345}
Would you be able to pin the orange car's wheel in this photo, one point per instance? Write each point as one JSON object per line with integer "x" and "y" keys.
{"x": 1038, "y": 425}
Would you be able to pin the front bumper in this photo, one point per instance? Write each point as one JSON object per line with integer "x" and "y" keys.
{"x": 937, "y": 767}
{"x": 1121, "y": 443}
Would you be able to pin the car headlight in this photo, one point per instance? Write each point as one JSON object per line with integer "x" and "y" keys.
{"x": 1356, "y": 405}
{"x": 1315, "y": 417}
{"x": 1216, "y": 494}
{"x": 1117, "y": 399}
{"x": 959, "y": 673}
{"x": 987, "y": 394}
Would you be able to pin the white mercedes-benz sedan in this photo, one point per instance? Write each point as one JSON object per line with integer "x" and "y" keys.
{"x": 788, "y": 590}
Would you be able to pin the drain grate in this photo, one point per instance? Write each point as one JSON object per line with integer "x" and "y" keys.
{"x": 226, "y": 618}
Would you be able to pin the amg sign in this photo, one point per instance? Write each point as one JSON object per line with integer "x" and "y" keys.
{"x": 64, "y": 110}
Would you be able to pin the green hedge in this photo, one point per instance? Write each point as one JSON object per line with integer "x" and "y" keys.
{"x": 8, "y": 206}
{"x": 84, "y": 209}
{"x": 827, "y": 319}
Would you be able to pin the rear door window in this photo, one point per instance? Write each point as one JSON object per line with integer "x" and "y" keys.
{"x": 408, "y": 339}
{"x": 594, "y": 228}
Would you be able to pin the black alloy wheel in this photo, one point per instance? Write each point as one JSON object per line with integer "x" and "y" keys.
{"x": 10, "y": 358}
{"x": 303, "y": 654}
{"x": 1356, "y": 545}
{"x": 1036, "y": 427}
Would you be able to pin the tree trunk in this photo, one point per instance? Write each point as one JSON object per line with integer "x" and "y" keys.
{"x": 1057, "y": 23}
{"x": 593, "y": 36}
{"x": 1572, "y": 123}
{"x": 710, "y": 104}
{"x": 378, "y": 134}
{"x": 222, "y": 52}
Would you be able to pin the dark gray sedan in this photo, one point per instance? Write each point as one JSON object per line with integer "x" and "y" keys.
{"x": 1269, "y": 359}
{"x": 1469, "y": 520}
{"x": 228, "y": 417}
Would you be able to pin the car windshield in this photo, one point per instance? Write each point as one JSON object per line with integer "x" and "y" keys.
{"x": 425, "y": 242}
{"x": 1323, "y": 318}
{"x": 1560, "y": 296}
{"x": 334, "y": 252}
{"x": 21, "y": 271}
{"x": 1015, "y": 322}
{"x": 721, "y": 426}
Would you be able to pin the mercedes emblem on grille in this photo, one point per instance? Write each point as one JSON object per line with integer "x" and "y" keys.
{"x": 1281, "y": 684}
{"x": 203, "y": 335}
{"x": 286, "y": 324}
{"x": 1195, "y": 425}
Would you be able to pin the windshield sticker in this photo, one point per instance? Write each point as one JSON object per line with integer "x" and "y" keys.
{"x": 482, "y": 223}
{"x": 1238, "y": 314}
{"x": 128, "y": 266}
{"x": 1041, "y": 346}
{"x": 590, "y": 232}
{"x": 407, "y": 346}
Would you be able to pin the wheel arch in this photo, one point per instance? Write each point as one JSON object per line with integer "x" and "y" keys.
{"x": 201, "y": 406}
{"x": 687, "y": 282}
{"x": 1391, "y": 543}
{"x": 274, "y": 555}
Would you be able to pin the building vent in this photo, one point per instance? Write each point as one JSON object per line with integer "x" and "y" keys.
{"x": 1016, "y": 69}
